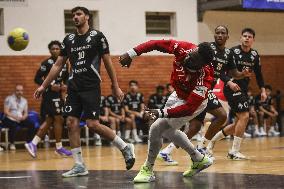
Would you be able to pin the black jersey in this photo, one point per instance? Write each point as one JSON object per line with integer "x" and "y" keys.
{"x": 114, "y": 104}
{"x": 103, "y": 105}
{"x": 251, "y": 101}
{"x": 134, "y": 101}
{"x": 156, "y": 101}
{"x": 223, "y": 61}
{"x": 42, "y": 73}
{"x": 247, "y": 60}
{"x": 85, "y": 53}
{"x": 266, "y": 104}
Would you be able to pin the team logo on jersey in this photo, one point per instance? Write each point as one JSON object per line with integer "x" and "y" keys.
{"x": 71, "y": 36}
{"x": 225, "y": 56}
{"x": 240, "y": 56}
{"x": 43, "y": 68}
{"x": 93, "y": 33}
{"x": 254, "y": 53}
{"x": 50, "y": 61}
{"x": 88, "y": 39}
{"x": 237, "y": 51}
{"x": 62, "y": 46}
{"x": 213, "y": 47}
{"x": 227, "y": 51}
{"x": 68, "y": 108}
{"x": 252, "y": 58}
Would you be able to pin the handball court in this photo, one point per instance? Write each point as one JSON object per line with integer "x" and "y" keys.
{"x": 264, "y": 169}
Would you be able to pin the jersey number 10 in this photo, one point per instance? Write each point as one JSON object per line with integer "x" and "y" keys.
{"x": 81, "y": 55}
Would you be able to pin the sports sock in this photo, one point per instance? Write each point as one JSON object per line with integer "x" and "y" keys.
{"x": 119, "y": 143}
{"x": 77, "y": 155}
{"x": 236, "y": 144}
{"x": 58, "y": 145}
{"x": 36, "y": 140}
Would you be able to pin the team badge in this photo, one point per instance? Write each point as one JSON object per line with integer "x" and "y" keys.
{"x": 237, "y": 51}
{"x": 50, "y": 61}
{"x": 254, "y": 53}
{"x": 71, "y": 36}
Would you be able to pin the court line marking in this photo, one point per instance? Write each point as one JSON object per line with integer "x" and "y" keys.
{"x": 17, "y": 177}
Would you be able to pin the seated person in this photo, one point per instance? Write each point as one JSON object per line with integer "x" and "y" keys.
{"x": 16, "y": 115}
{"x": 134, "y": 108}
{"x": 170, "y": 90}
{"x": 268, "y": 112}
{"x": 117, "y": 115}
{"x": 253, "y": 118}
{"x": 157, "y": 100}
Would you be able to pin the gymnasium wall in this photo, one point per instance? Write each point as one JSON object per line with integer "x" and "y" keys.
{"x": 149, "y": 71}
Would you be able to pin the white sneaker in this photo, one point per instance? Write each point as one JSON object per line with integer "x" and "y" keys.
{"x": 12, "y": 147}
{"x": 272, "y": 132}
{"x": 138, "y": 140}
{"x": 247, "y": 135}
{"x": 256, "y": 133}
{"x": 1, "y": 149}
{"x": 262, "y": 132}
{"x": 98, "y": 141}
{"x": 236, "y": 156}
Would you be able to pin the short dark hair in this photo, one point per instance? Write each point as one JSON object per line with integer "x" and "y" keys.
{"x": 133, "y": 81}
{"x": 160, "y": 87}
{"x": 268, "y": 87}
{"x": 207, "y": 53}
{"x": 249, "y": 30}
{"x": 84, "y": 9}
{"x": 168, "y": 85}
{"x": 55, "y": 42}
{"x": 223, "y": 27}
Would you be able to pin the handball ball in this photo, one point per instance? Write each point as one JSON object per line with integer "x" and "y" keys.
{"x": 18, "y": 39}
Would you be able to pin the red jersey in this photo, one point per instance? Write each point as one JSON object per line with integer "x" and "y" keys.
{"x": 191, "y": 86}
{"x": 218, "y": 90}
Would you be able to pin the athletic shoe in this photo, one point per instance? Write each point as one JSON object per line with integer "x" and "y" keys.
{"x": 236, "y": 156}
{"x": 262, "y": 132}
{"x": 272, "y": 132}
{"x": 196, "y": 167}
{"x": 77, "y": 170}
{"x": 63, "y": 152}
{"x": 31, "y": 149}
{"x": 207, "y": 152}
{"x": 98, "y": 142}
{"x": 256, "y": 133}
{"x": 145, "y": 175}
{"x": 12, "y": 147}
{"x": 138, "y": 140}
{"x": 129, "y": 156}
{"x": 247, "y": 135}
{"x": 1, "y": 149}
{"x": 129, "y": 140}
{"x": 167, "y": 158}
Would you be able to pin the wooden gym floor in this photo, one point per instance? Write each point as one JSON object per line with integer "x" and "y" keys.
{"x": 265, "y": 169}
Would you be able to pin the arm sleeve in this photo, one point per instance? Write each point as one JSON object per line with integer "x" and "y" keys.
{"x": 165, "y": 46}
{"x": 103, "y": 45}
{"x": 41, "y": 72}
{"x": 258, "y": 73}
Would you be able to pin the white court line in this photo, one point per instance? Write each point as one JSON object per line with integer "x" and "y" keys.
{"x": 17, "y": 177}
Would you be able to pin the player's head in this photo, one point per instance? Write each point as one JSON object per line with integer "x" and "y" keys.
{"x": 268, "y": 90}
{"x": 54, "y": 48}
{"x": 160, "y": 90}
{"x": 221, "y": 35}
{"x": 81, "y": 16}
{"x": 133, "y": 86}
{"x": 199, "y": 57}
{"x": 19, "y": 90}
{"x": 169, "y": 88}
{"x": 247, "y": 37}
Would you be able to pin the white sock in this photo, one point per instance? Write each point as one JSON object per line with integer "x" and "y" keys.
{"x": 58, "y": 145}
{"x": 134, "y": 133}
{"x": 36, "y": 140}
{"x": 119, "y": 143}
{"x": 169, "y": 148}
{"x": 77, "y": 155}
{"x": 119, "y": 133}
{"x": 203, "y": 142}
{"x": 236, "y": 144}
{"x": 220, "y": 135}
{"x": 127, "y": 134}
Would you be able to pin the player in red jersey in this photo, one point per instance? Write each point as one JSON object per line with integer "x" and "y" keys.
{"x": 191, "y": 77}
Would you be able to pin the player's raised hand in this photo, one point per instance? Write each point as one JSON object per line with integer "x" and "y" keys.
{"x": 39, "y": 92}
{"x": 125, "y": 60}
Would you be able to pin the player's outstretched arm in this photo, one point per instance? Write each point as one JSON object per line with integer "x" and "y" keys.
{"x": 54, "y": 72}
{"x": 112, "y": 75}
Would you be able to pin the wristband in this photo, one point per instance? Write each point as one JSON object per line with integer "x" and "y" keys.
{"x": 131, "y": 53}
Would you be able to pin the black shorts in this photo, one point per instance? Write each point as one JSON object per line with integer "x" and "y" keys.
{"x": 238, "y": 101}
{"x": 83, "y": 104}
{"x": 51, "y": 107}
{"x": 213, "y": 103}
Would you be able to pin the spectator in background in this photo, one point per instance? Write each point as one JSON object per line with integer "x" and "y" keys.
{"x": 157, "y": 100}
{"x": 268, "y": 112}
{"x": 170, "y": 90}
{"x": 134, "y": 108}
{"x": 16, "y": 115}
{"x": 253, "y": 118}
{"x": 117, "y": 115}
